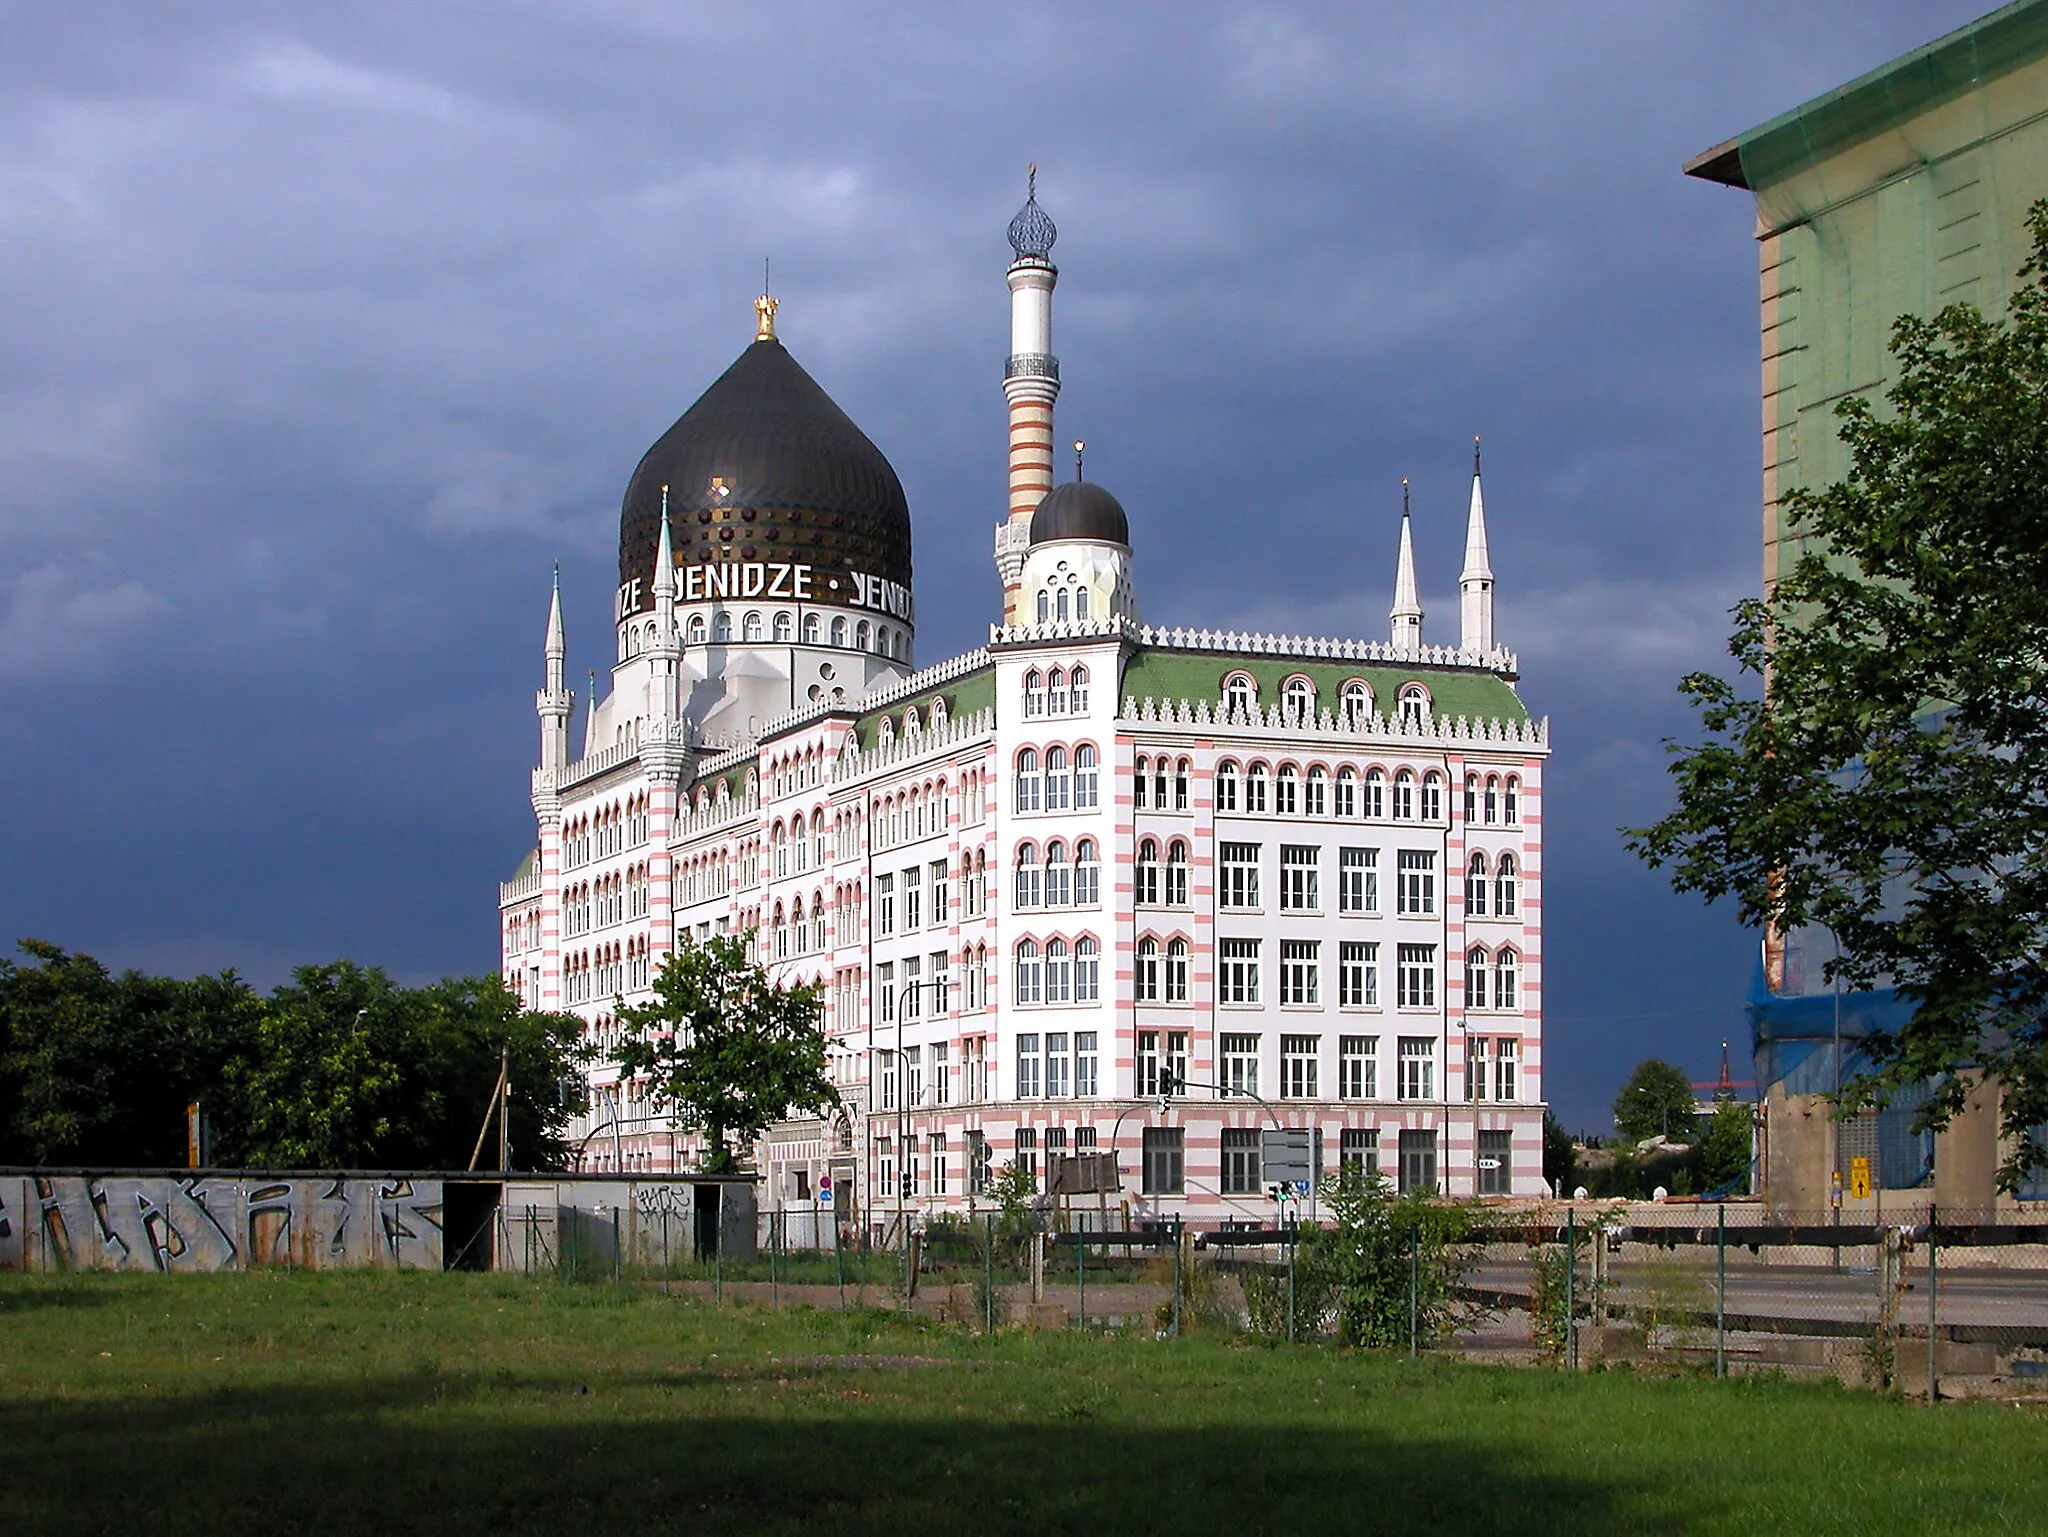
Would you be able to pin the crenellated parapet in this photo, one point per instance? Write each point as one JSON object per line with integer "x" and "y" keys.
{"x": 1423, "y": 730}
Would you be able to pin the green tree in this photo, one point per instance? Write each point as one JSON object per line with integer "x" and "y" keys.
{"x": 1655, "y": 1102}
{"x": 1890, "y": 782}
{"x": 1724, "y": 1154}
{"x": 1560, "y": 1155}
{"x": 727, "y": 1051}
{"x": 1376, "y": 1255}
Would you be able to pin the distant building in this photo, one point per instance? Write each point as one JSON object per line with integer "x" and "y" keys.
{"x": 1899, "y": 193}
{"x": 1096, "y": 884}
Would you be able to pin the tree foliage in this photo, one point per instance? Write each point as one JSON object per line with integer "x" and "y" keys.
{"x": 1891, "y": 780}
{"x": 1656, "y": 1101}
{"x": 728, "y": 1052}
{"x": 339, "y": 1068}
{"x": 1377, "y": 1256}
{"x": 1560, "y": 1155}
{"x": 1725, "y": 1149}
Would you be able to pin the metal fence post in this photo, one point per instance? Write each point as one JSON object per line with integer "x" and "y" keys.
{"x": 774, "y": 1285}
{"x": 1081, "y": 1279}
{"x": 665, "y": 1261}
{"x": 1291, "y": 1236}
{"x": 839, "y": 1261}
{"x": 615, "y": 1244}
{"x": 1721, "y": 1292}
{"x": 988, "y": 1274}
{"x": 1414, "y": 1294}
{"x": 718, "y": 1266}
{"x": 1571, "y": 1278}
{"x": 1933, "y": 1309}
{"x": 1179, "y": 1246}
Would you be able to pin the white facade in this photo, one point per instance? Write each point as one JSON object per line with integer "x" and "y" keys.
{"x": 1305, "y": 876}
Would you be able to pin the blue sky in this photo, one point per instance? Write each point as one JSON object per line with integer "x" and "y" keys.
{"x": 328, "y": 328}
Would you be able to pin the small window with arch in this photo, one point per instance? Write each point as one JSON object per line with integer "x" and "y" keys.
{"x": 1240, "y": 695}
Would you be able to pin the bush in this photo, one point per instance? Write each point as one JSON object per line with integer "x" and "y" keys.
{"x": 1385, "y": 1265}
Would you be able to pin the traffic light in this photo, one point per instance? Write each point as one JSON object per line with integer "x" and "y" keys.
{"x": 1166, "y": 1083}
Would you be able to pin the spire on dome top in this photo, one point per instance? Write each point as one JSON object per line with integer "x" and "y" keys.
{"x": 1031, "y": 233}
{"x": 1475, "y": 582}
{"x": 1406, "y": 613}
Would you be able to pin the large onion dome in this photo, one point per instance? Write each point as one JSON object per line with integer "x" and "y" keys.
{"x": 765, "y": 468}
{"x": 1080, "y": 509}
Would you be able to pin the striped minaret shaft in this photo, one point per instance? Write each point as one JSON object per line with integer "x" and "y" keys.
{"x": 1031, "y": 383}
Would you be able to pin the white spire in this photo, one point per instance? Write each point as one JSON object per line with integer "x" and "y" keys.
{"x": 1407, "y": 610}
{"x": 557, "y": 646}
{"x": 1475, "y": 582}
{"x": 665, "y": 558}
{"x": 664, "y": 697}
{"x": 554, "y": 702}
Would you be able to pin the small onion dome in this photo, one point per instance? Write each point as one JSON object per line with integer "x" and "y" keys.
{"x": 1080, "y": 509}
{"x": 1032, "y": 233}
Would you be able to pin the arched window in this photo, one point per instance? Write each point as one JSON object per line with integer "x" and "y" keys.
{"x": 1177, "y": 971}
{"x": 1432, "y": 797}
{"x": 1058, "y": 781}
{"x": 1226, "y": 786}
{"x": 1506, "y": 889}
{"x": 1356, "y": 704}
{"x": 696, "y": 629}
{"x": 1183, "y": 773}
{"x": 1058, "y": 886}
{"x": 1404, "y": 796}
{"x": 1059, "y": 972}
{"x": 1375, "y": 795}
{"x": 1077, "y": 689}
{"x": 1028, "y": 887}
{"x": 1255, "y": 799}
{"x": 1347, "y": 793}
{"x": 1475, "y": 887}
{"x": 753, "y": 628}
{"x": 1315, "y": 800}
{"x": 1087, "y": 874}
{"x": 1475, "y": 978}
{"x": 1087, "y": 780}
{"x": 781, "y": 934}
{"x": 1080, "y": 603}
{"x": 884, "y": 641}
{"x": 1029, "y": 973}
{"x": 1287, "y": 791}
{"x": 1056, "y": 692}
{"x": 1507, "y": 970}
{"x": 1471, "y": 797}
{"x": 1087, "y": 965}
{"x": 1239, "y": 695}
{"x": 1492, "y": 799}
{"x": 1034, "y": 693}
{"x": 721, "y": 627}
{"x": 785, "y": 629}
{"x": 1511, "y": 801}
{"x": 1148, "y": 873}
{"x": 1298, "y": 699}
{"x": 1045, "y": 605}
{"x": 778, "y": 841}
{"x": 1177, "y": 873}
{"x": 1028, "y": 782}
{"x": 839, "y": 630}
{"x": 1141, "y": 784}
{"x": 1062, "y": 606}
{"x": 860, "y": 636}
{"x": 814, "y": 629}
{"x": 1148, "y": 971}
{"x": 1414, "y": 704}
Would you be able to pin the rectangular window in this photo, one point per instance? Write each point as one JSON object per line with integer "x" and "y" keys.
{"x": 1358, "y": 880}
{"x": 1418, "y": 1160}
{"x": 1240, "y": 1160}
{"x": 938, "y": 1143}
{"x": 1086, "y": 1065}
{"x": 1177, "y": 971}
{"x": 1146, "y": 980}
{"x": 1057, "y": 1063}
{"x": 1239, "y": 970}
{"x": 886, "y": 1157}
{"x": 1416, "y": 896}
{"x": 913, "y": 1076}
{"x": 1358, "y": 974}
{"x": 1358, "y": 1067}
{"x": 1299, "y": 892}
{"x": 1300, "y": 972}
{"x": 1165, "y": 1163}
{"x": 1239, "y": 876}
{"x": 1358, "y": 1147}
{"x": 1027, "y": 1153}
{"x": 1027, "y": 1067}
{"x": 1475, "y": 1067}
{"x": 1496, "y": 1162}
{"x": 1417, "y": 980}
{"x": 1148, "y": 1063}
{"x": 885, "y": 905}
{"x": 913, "y": 990}
{"x": 1241, "y": 1063}
{"x": 1418, "y": 1067}
{"x": 1299, "y": 1078}
{"x": 885, "y": 993}
{"x": 913, "y": 898}
{"x": 1505, "y": 1052}
{"x": 942, "y": 1077}
{"x": 977, "y": 1162}
{"x": 1177, "y": 1059}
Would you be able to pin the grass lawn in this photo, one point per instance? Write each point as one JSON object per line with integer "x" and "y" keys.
{"x": 443, "y": 1403}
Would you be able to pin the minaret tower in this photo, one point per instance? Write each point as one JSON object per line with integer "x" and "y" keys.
{"x": 1475, "y": 582}
{"x": 1407, "y": 611}
{"x": 555, "y": 703}
{"x": 1031, "y": 383}
{"x": 664, "y": 652}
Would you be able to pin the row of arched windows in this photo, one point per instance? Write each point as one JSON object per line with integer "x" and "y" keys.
{"x": 756, "y": 626}
{"x": 1058, "y": 692}
{"x": 1057, "y": 781}
{"x": 1494, "y": 800}
{"x": 1492, "y": 982}
{"x": 1257, "y": 790}
{"x": 1162, "y": 784}
{"x": 1059, "y": 879}
{"x": 522, "y": 931}
{"x": 1162, "y": 885}
{"x": 1064, "y": 600}
{"x": 796, "y": 846}
{"x": 1062, "y": 971}
{"x": 1162, "y": 975}
{"x": 606, "y": 831}
{"x": 795, "y": 932}
{"x": 1499, "y": 898}
{"x": 1299, "y": 703}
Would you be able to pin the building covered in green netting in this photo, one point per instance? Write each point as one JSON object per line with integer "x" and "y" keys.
{"x": 1899, "y": 193}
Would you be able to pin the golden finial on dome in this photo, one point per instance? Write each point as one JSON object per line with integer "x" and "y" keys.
{"x": 765, "y": 308}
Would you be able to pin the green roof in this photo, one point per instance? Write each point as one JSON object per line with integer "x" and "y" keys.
{"x": 963, "y": 695}
{"x": 1196, "y": 675}
{"x": 1917, "y": 82}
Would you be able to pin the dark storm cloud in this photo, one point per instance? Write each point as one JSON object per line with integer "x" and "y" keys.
{"x": 326, "y": 330}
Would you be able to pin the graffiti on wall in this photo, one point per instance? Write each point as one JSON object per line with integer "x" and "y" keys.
{"x": 201, "y": 1223}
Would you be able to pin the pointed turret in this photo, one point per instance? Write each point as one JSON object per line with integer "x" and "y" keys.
{"x": 1406, "y": 613}
{"x": 664, "y": 695}
{"x": 1031, "y": 383}
{"x": 554, "y": 702}
{"x": 1475, "y": 582}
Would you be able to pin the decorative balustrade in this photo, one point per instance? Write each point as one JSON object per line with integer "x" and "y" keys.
{"x": 915, "y": 745}
{"x": 1426, "y": 730}
{"x": 519, "y": 888}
